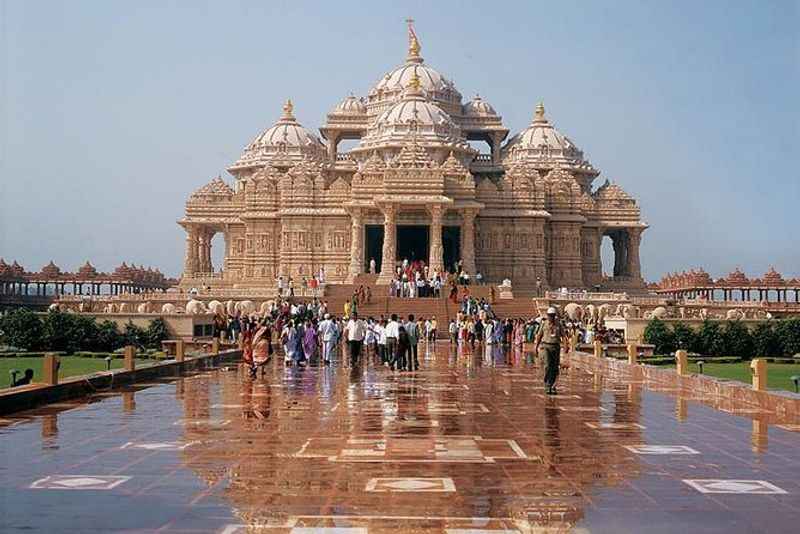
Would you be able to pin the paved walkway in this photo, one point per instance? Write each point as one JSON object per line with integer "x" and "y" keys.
{"x": 468, "y": 445}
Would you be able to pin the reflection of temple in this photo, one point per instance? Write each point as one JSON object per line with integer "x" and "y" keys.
{"x": 301, "y": 448}
{"x": 413, "y": 186}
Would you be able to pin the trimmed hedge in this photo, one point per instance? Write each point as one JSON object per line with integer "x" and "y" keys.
{"x": 71, "y": 333}
{"x": 769, "y": 339}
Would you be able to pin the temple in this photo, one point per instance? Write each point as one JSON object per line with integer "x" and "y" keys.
{"x": 413, "y": 186}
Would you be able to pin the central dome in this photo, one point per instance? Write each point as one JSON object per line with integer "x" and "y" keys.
{"x": 433, "y": 85}
{"x": 413, "y": 116}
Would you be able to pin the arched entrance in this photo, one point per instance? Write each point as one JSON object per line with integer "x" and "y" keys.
{"x": 413, "y": 242}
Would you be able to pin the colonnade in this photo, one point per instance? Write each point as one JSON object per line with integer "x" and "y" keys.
{"x": 43, "y": 288}
{"x": 198, "y": 250}
{"x": 744, "y": 294}
{"x": 435, "y": 246}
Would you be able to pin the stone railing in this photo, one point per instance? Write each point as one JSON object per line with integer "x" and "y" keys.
{"x": 579, "y": 296}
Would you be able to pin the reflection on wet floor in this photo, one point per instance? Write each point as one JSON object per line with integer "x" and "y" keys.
{"x": 469, "y": 444}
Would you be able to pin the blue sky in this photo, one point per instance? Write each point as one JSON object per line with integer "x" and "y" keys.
{"x": 111, "y": 113}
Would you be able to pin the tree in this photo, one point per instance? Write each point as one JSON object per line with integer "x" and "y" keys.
{"x": 705, "y": 338}
{"x": 61, "y": 332}
{"x": 766, "y": 341}
{"x": 157, "y": 332}
{"x": 684, "y": 336}
{"x": 22, "y": 329}
{"x": 657, "y": 333}
{"x": 788, "y": 331}
{"x": 134, "y": 335}
{"x": 108, "y": 337}
{"x": 737, "y": 340}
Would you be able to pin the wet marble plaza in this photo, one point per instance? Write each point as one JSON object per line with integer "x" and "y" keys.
{"x": 469, "y": 444}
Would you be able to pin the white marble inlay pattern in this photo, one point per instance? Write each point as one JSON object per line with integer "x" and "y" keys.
{"x": 660, "y": 449}
{"x": 79, "y": 482}
{"x": 582, "y": 408}
{"x": 159, "y": 446}
{"x": 480, "y": 531}
{"x": 216, "y": 423}
{"x": 614, "y": 426}
{"x": 436, "y": 485}
{"x": 749, "y": 487}
{"x": 790, "y": 428}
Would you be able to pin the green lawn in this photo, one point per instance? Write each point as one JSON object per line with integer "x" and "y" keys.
{"x": 777, "y": 373}
{"x": 70, "y": 366}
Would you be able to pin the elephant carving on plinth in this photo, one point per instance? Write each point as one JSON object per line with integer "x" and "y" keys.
{"x": 195, "y": 307}
{"x": 168, "y": 308}
{"x": 246, "y": 307}
{"x": 216, "y": 307}
{"x": 144, "y": 307}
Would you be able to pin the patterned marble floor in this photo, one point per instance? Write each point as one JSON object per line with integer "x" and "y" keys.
{"x": 468, "y": 445}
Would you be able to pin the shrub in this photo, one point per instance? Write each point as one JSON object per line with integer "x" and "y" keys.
{"x": 21, "y": 328}
{"x": 704, "y": 342}
{"x": 657, "y": 333}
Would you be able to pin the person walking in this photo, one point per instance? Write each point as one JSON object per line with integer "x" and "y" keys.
{"x": 413, "y": 332}
{"x": 328, "y": 330}
{"x": 356, "y": 330}
{"x": 403, "y": 347}
{"x": 549, "y": 338}
{"x": 392, "y": 333}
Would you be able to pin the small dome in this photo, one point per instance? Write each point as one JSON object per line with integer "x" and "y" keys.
{"x": 542, "y": 144}
{"x": 478, "y": 107}
{"x": 51, "y": 269}
{"x": 287, "y": 137}
{"x": 350, "y": 106}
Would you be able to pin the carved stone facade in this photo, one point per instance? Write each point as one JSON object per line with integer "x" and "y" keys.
{"x": 523, "y": 210}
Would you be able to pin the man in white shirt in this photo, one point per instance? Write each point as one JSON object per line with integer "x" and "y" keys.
{"x": 355, "y": 330}
{"x": 392, "y": 333}
{"x": 329, "y": 332}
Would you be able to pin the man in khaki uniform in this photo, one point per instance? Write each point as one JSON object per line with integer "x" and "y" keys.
{"x": 548, "y": 338}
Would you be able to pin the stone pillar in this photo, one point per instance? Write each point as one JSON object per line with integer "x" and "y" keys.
{"x": 682, "y": 362}
{"x": 633, "y": 267}
{"x": 190, "y": 261}
{"x": 389, "y": 252}
{"x": 333, "y": 143}
{"x": 129, "y": 356}
{"x": 632, "y": 354}
{"x": 356, "y": 243}
{"x": 758, "y": 368}
{"x": 50, "y": 366}
{"x": 180, "y": 350}
{"x": 468, "y": 241}
{"x": 436, "y": 252}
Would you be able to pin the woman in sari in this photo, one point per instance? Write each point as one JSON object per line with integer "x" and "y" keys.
{"x": 310, "y": 341}
{"x": 262, "y": 347}
{"x": 247, "y": 346}
{"x": 289, "y": 341}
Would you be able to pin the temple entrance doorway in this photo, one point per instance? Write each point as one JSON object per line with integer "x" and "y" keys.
{"x": 451, "y": 242}
{"x": 413, "y": 242}
{"x": 374, "y": 246}
{"x": 614, "y": 253}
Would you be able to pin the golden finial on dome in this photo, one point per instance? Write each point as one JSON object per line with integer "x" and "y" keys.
{"x": 539, "y": 114}
{"x": 414, "y": 83}
{"x": 288, "y": 108}
{"x": 413, "y": 43}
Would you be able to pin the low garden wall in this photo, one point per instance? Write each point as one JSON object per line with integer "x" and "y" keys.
{"x": 26, "y": 397}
